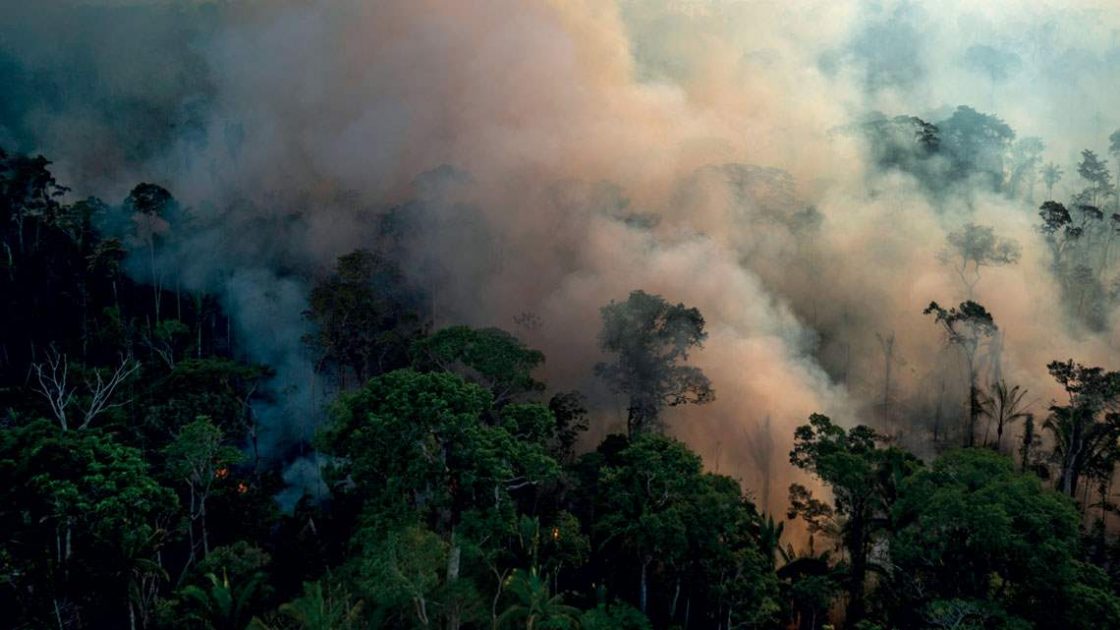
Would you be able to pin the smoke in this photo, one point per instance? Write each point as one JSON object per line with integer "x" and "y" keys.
{"x": 551, "y": 156}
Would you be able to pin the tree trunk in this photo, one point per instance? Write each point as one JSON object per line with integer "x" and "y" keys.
{"x": 644, "y": 587}
{"x": 453, "y": 559}
{"x": 676, "y": 596}
{"x": 202, "y": 521}
{"x": 858, "y": 550}
{"x": 973, "y": 405}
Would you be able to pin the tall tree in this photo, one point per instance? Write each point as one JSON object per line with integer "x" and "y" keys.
{"x": 1086, "y": 429}
{"x": 976, "y": 144}
{"x": 864, "y": 482}
{"x": 1051, "y": 175}
{"x": 1026, "y": 155}
{"x": 651, "y": 339}
{"x": 966, "y": 327}
{"x": 152, "y": 209}
{"x": 366, "y": 315}
{"x": 1114, "y": 151}
{"x": 199, "y": 458}
{"x": 1059, "y": 230}
{"x": 1095, "y": 171}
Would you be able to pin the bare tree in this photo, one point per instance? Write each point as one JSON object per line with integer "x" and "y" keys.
{"x": 92, "y": 395}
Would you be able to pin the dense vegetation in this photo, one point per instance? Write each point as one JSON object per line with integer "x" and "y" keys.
{"x": 135, "y": 490}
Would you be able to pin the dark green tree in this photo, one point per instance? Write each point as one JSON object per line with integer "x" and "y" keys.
{"x": 974, "y": 536}
{"x": 651, "y": 339}
{"x": 864, "y": 480}
{"x": 365, "y": 317}
{"x": 490, "y": 357}
{"x": 1085, "y": 430}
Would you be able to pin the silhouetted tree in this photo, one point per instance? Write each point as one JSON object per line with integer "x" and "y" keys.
{"x": 966, "y": 327}
{"x": 651, "y": 338}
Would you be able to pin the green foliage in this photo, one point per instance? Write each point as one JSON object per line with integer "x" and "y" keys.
{"x": 970, "y": 529}
{"x": 534, "y": 607}
{"x": 1085, "y": 431}
{"x": 365, "y": 315}
{"x": 322, "y": 606}
{"x": 659, "y": 511}
{"x": 457, "y": 499}
{"x": 651, "y": 339}
{"x": 412, "y": 441}
{"x": 82, "y": 516}
{"x": 615, "y": 616}
{"x": 490, "y": 357}
{"x": 864, "y": 481}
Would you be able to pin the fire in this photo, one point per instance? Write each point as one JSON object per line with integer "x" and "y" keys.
{"x": 221, "y": 473}
{"x": 242, "y": 487}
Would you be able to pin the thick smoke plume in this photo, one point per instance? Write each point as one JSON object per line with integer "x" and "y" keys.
{"x": 553, "y": 155}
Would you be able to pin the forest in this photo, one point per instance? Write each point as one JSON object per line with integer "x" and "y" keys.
{"x": 257, "y": 373}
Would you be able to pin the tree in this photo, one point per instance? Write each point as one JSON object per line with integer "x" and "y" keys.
{"x": 651, "y": 339}
{"x": 427, "y": 450}
{"x": 966, "y": 327}
{"x": 1051, "y": 175}
{"x": 91, "y": 395}
{"x": 1095, "y": 171}
{"x": 198, "y": 458}
{"x": 864, "y": 480}
{"x": 1086, "y": 429}
{"x": 570, "y": 410}
{"x": 1026, "y": 154}
{"x": 658, "y": 511}
{"x": 535, "y": 607}
{"x": 1003, "y": 405}
{"x": 421, "y": 441}
{"x": 84, "y": 522}
{"x": 490, "y": 357}
{"x": 975, "y": 144}
{"x": 969, "y": 529}
{"x": 1114, "y": 150}
{"x": 28, "y": 191}
{"x": 975, "y": 246}
{"x": 222, "y": 604}
{"x": 323, "y": 605}
{"x": 152, "y": 209}
{"x": 224, "y": 589}
{"x": 366, "y": 315}
{"x": 1058, "y": 229}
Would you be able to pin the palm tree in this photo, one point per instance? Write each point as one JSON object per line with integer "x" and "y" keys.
{"x": 318, "y": 608}
{"x": 222, "y": 606}
{"x": 535, "y": 607}
{"x": 1004, "y": 405}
